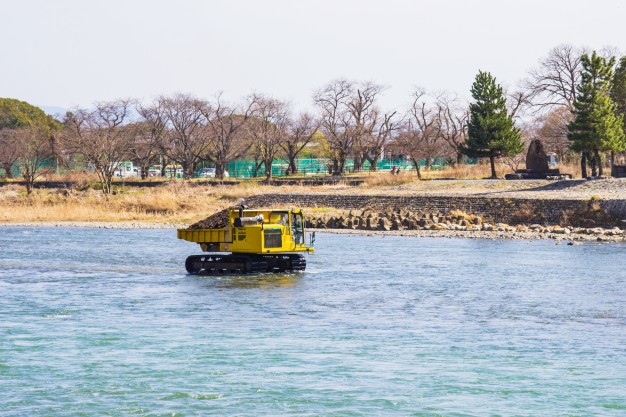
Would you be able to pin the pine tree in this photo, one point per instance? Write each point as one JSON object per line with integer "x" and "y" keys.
{"x": 491, "y": 132}
{"x": 618, "y": 90}
{"x": 596, "y": 127}
{"x": 618, "y": 87}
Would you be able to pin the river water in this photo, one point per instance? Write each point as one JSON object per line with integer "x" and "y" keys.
{"x": 107, "y": 322}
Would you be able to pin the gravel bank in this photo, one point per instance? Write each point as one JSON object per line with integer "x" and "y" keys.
{"x": 579, "y": 189}
{"x": 573, "y": 238}
{"x": 415, "y": 233}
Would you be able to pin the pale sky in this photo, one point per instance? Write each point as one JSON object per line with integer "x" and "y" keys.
{"x": 70, "y": 53}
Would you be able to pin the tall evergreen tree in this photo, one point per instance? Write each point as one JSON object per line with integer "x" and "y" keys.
{"x": 596, "y": 127}
{"x": 491, "y": 132}
{"x": 618, "y": 89}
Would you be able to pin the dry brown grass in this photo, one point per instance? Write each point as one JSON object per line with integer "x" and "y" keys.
{"x": 173, "y": 202}
{"x": 470, "y": 217}
{"x": 381, "y": 179}
{"x": 483, "y": 170}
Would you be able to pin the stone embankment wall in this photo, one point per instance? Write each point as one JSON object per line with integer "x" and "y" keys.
{"x": 584, "y": 213}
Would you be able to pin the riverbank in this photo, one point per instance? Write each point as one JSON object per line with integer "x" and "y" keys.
{"x": 599, "y": 235}
{"x": 572, "y": 238}
{"x": 179, "y": 204}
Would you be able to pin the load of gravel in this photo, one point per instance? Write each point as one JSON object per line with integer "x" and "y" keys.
{"x": 215, "y": 221}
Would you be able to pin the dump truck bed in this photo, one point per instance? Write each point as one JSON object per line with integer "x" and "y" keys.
{"x": 205, "y": 235}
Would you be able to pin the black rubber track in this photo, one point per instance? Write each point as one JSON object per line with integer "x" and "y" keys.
{"x": 228, "y": 264}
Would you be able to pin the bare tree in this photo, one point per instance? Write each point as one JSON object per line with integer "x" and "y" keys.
{"x": 187, "y": 139}
{"x": 268, "y": 129}
{"x": 364, "y": 111}
{"x": 352, "y": 122}
{"x": 518, "y": 102}
{"x": 554, "y": 82}
{"x": 150, "y": 137}
{"x": 225, "y": 124}
{"x": 373, "y": 143}
{"x": 34, "y": 147}
{"x": 552, "y": 130}
{"x": 300, "y": 132}
{"x": 409, "y": 145}
{"x": 423, "y": 127}
{"x": 101, "y": 136}
{"x": 335, "y": 120}
{"x": 452, "y": 117}
{"x": 9, "y": 150}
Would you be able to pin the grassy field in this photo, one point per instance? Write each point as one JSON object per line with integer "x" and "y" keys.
{"x": 172, "y": 202}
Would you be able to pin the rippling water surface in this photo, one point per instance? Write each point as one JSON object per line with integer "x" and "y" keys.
{"x": 106, "y": 322}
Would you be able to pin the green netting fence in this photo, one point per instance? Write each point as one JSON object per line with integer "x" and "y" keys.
{"x": 320, "y": 166}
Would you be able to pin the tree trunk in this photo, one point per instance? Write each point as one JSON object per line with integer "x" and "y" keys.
{"x": 7, "y": 170}
{"x": 164, "y": 162}
{"x": 492, "y": 161}
{"x": 599, "y": 162}
{"x": 612, "y": 163}
{"x": 268, "y": 171}
{"x": 187, "y": 171}
{"x": 417, "y": 168}
{"x": 29, "y": 179}
{"x": 372, "y": 162}
{"x": 257, "y": 167}
{"x": 144, "y": 171}
{"x": 106, "y": 184}
{"x": 220, "y": 169}
{"x": 341, "y": 166}
{"x": 594, "y": 165}
{"x": 583, "y": 164}
{"x": 293, "y": 167}
{"x": 459, "y": 158}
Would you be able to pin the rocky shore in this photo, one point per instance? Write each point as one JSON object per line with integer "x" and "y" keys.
{"x": 452, "y": 224}
{"x": 500, "y": 232}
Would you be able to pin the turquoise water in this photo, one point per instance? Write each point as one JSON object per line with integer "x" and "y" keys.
{"x": 106, "y": 322}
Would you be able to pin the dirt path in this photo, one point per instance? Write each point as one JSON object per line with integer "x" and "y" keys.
{"x": 539, "y": 189}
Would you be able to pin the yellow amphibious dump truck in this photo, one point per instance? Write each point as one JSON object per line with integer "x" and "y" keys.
{"x": 253, "y": 241}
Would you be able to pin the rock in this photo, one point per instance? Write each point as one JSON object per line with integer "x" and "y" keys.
{"x": 536, "y": 158}
{"x": 561, "y": 230}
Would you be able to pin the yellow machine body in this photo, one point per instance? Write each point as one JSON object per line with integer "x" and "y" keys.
{"x": 254, "y": 232}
